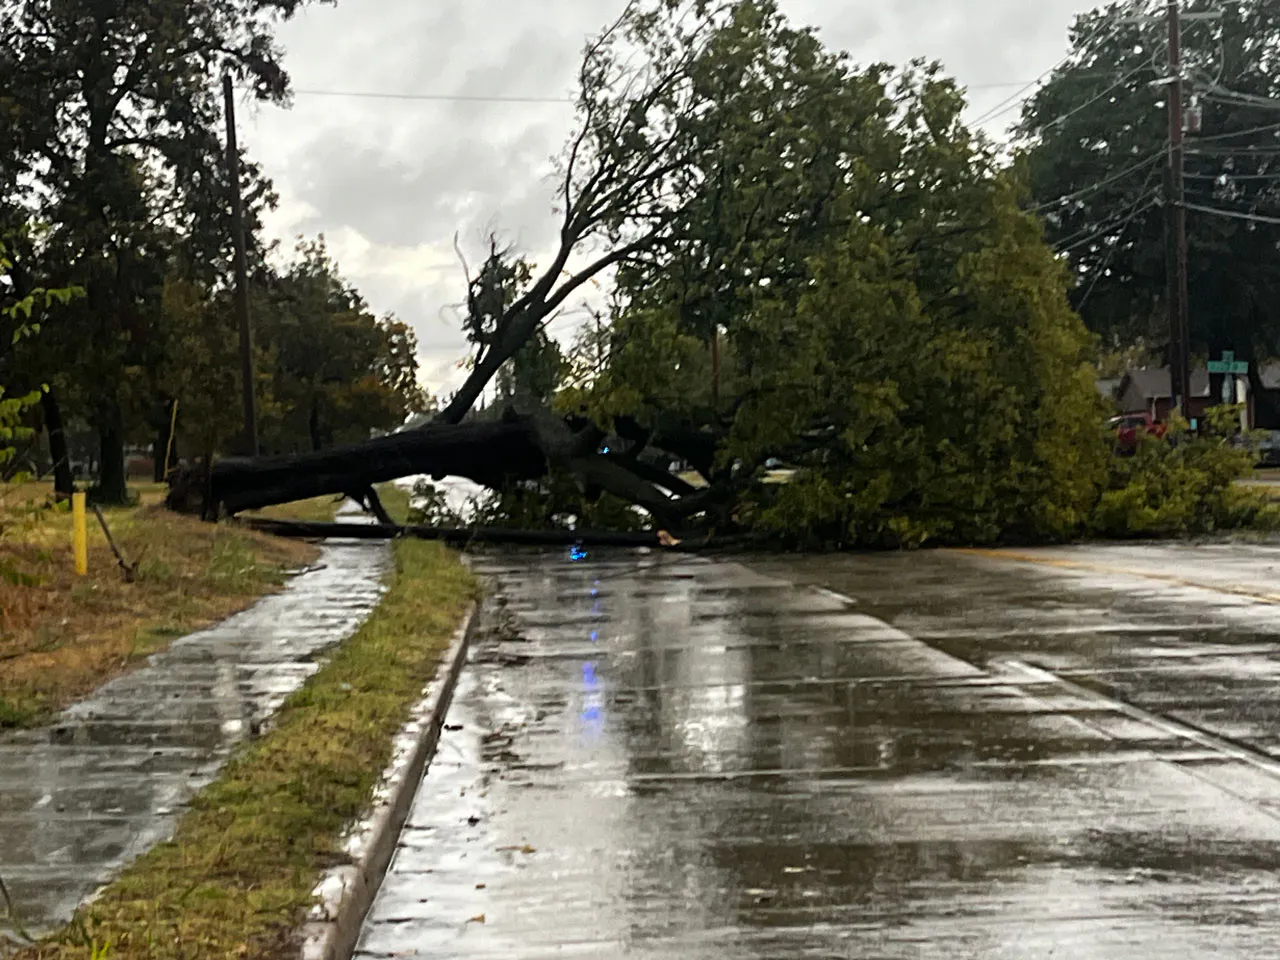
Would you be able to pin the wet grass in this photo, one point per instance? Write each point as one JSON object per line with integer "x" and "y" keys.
{"x": 62, "y": 636}
{"x": 315, "y": 510}
{"x": 324, "y": 509}
{"x": 237, "y": 878}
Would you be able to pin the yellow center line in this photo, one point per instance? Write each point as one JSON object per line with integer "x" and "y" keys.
{"x": 1015, "y": 556}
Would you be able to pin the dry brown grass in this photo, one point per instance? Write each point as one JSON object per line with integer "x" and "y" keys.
{"x": 61, "y": 636}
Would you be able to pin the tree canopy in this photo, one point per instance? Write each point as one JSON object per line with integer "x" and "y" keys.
{"x": 112, "y": 179}
{"x": 1095, "y": 139}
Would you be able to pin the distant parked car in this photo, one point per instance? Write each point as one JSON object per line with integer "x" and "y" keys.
{"x": 1130, "y": 427}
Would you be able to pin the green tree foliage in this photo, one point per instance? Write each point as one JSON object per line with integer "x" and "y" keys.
{"x": 1095, "y": 137}
{"x": 112, "y": 137}
{"x": 200, "y": 368}
{"x": 1184, "y": 485}
{"x": 338, "y": 372}
{"x": 890, "y": 323}
{"x": 21, "y": 314}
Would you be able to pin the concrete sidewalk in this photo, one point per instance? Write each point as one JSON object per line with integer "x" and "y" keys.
{"x": 82, "y": 798}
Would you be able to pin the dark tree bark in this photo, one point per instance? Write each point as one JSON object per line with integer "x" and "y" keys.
{"x": 59, "y": 454}
{"x": 491, "y": 453}
{"x": 113, "y": 485}
{"x": 487, "y": 453}
{"x": 313, "y": 426}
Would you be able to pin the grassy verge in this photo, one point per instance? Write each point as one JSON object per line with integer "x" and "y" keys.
{"x": 61, "y": 636}
{"x": 323, "y": 509}
{"x": 236, "y": 879}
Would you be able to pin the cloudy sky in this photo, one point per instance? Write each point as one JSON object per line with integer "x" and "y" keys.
{"x": 390, "y": 181}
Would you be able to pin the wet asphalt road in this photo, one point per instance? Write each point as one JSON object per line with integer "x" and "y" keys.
{"x": 912, "y": 756}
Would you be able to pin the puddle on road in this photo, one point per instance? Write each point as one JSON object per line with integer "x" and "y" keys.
{"x": 83, "y": 797}
{"x": 703, "y": 761}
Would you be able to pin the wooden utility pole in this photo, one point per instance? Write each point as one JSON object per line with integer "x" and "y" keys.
{"x": 715, "y": 367}
{"x": 247, "y": 376}
{"x": 1179, "y": 308}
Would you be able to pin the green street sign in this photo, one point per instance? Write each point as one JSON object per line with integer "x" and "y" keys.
{"x": 1228, "y": 366}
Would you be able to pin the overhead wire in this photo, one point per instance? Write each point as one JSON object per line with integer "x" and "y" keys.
{"x": 1105, "y": 31}
{"x": 1232, "y": 214}
{"x": 504, "y": 98}
{"x": 1231, "y": 177}
{"x": 1221, "y": 94}
{"x": 1012, "y": 101}
{"x": 1144, "y": 193}
{"x": 1267, "y": 128}
{"x": 1144, "y": 203}
{"x": 434, "y": 97}
{"x": 1090, "y": 102}
{"x": 1234, "y": 151}
{"x": 1101, "y": 184}
{"x": 1111, "y": 254}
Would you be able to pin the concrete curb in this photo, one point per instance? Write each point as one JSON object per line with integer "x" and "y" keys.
{"x": 347, "y": 892}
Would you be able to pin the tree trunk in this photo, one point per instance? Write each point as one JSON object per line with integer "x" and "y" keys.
{"x": 490, "y": 454}
{"x": 63, "y": 480}
{"x": 313, "y": 426}
{"x": 494, "y": 454}
{"x": 113, "y": 485}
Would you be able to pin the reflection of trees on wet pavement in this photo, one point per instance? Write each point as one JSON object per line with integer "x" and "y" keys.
{"x": 677, "y": 757}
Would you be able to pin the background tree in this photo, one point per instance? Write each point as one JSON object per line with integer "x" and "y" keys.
{"x": 113, "y": 119}
{"x": 1095, "y": 137}
{"x": 339, "y": 373}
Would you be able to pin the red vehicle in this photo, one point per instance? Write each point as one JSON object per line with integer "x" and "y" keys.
{"x": 1131, "y": 426}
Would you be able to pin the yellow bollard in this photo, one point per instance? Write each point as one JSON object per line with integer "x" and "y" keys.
{"x": 81, "y": 533}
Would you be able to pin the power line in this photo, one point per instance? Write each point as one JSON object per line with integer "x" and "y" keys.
{"x": 1009, "y": 103}
{"x": 1236, "y": 151}
{"x": 1144, "y": 193}
{"x": 502, "y": 98}
{"x": 1233, "y": 98}
{"x": 1229, "y": 176}
{"x": 1150, "y": 197}
{"x": 1102, "y": 184}
{"x": 1232, "y": 214}
{"x": 1268, "y": 128}
{"x": 1088, "y": 103}
{"x": 998, "y": 86}
{"x": 1111, "y": 254}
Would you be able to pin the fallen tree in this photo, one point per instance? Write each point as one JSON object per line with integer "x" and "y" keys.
{"x": 808, "y": 263}
{"x": 626, "y": 174}
{"x": 491, "y": 453}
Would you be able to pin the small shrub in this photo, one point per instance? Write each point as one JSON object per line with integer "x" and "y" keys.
{"x": 1182, "y": 485}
